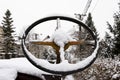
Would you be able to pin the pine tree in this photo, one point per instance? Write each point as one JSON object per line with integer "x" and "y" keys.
{"x": 83, "y": 51}
{"x": 89, "y": 22}
{"x": 9, "y": 41}
{"x": 108, "y": 42}
{"x": 115, "y": 30}
{"x": 116, "y": 27}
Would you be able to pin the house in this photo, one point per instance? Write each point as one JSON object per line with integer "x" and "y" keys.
{"x": 1, "y": 42}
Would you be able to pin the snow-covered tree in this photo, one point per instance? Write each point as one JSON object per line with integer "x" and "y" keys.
{"x": 85, "y": 50}
{"x": 106, "y": 46}
{"x": 115, "y": 30}
{"x": 111, "y": 44}
{"x": 89, "y": 22}
{"x": 9, "y": 41}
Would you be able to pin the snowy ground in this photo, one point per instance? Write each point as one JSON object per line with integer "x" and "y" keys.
{"x": 10, "y": 73}
{"x": 101, "y": 69}
{"x": 12, "y": 66}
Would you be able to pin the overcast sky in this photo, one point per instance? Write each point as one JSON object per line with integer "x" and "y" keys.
{"x": 25, "y": 12}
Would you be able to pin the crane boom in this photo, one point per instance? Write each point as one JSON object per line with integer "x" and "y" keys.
{"x": 87, "y": 7}
{"x": 81, "y": 16}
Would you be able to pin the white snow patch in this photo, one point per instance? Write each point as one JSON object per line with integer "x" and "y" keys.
{"x": 115, "y": 76}
{"x": 69, "y": 77}
{"x": 60, "y": 37}
{"x": 20, "y": 65}
{"x": 8, "y": 74}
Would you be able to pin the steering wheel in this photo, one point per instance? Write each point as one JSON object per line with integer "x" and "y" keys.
{"x": 54, "y": 68}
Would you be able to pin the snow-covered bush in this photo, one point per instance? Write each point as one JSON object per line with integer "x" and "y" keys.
{"x": 102, "y": 69}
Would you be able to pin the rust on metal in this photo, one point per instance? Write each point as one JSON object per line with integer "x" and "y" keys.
{"x": 52, "y": 44}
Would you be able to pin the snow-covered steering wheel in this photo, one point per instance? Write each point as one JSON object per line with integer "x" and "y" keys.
{"x": 58, "y": 68}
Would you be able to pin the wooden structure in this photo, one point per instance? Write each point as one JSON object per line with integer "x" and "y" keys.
{"x": 52, "y": 44}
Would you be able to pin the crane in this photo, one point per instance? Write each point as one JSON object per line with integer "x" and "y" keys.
{"x": 81, "y": 16}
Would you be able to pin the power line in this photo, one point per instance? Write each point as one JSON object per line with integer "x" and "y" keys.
{"x": 95, "y": 5}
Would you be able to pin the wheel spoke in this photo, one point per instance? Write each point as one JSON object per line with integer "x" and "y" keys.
{"x": 90, "y": 42}
{"x": 80, "y": 42}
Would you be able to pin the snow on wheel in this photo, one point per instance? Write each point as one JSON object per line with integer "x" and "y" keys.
{"x": 60, "y": 45}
